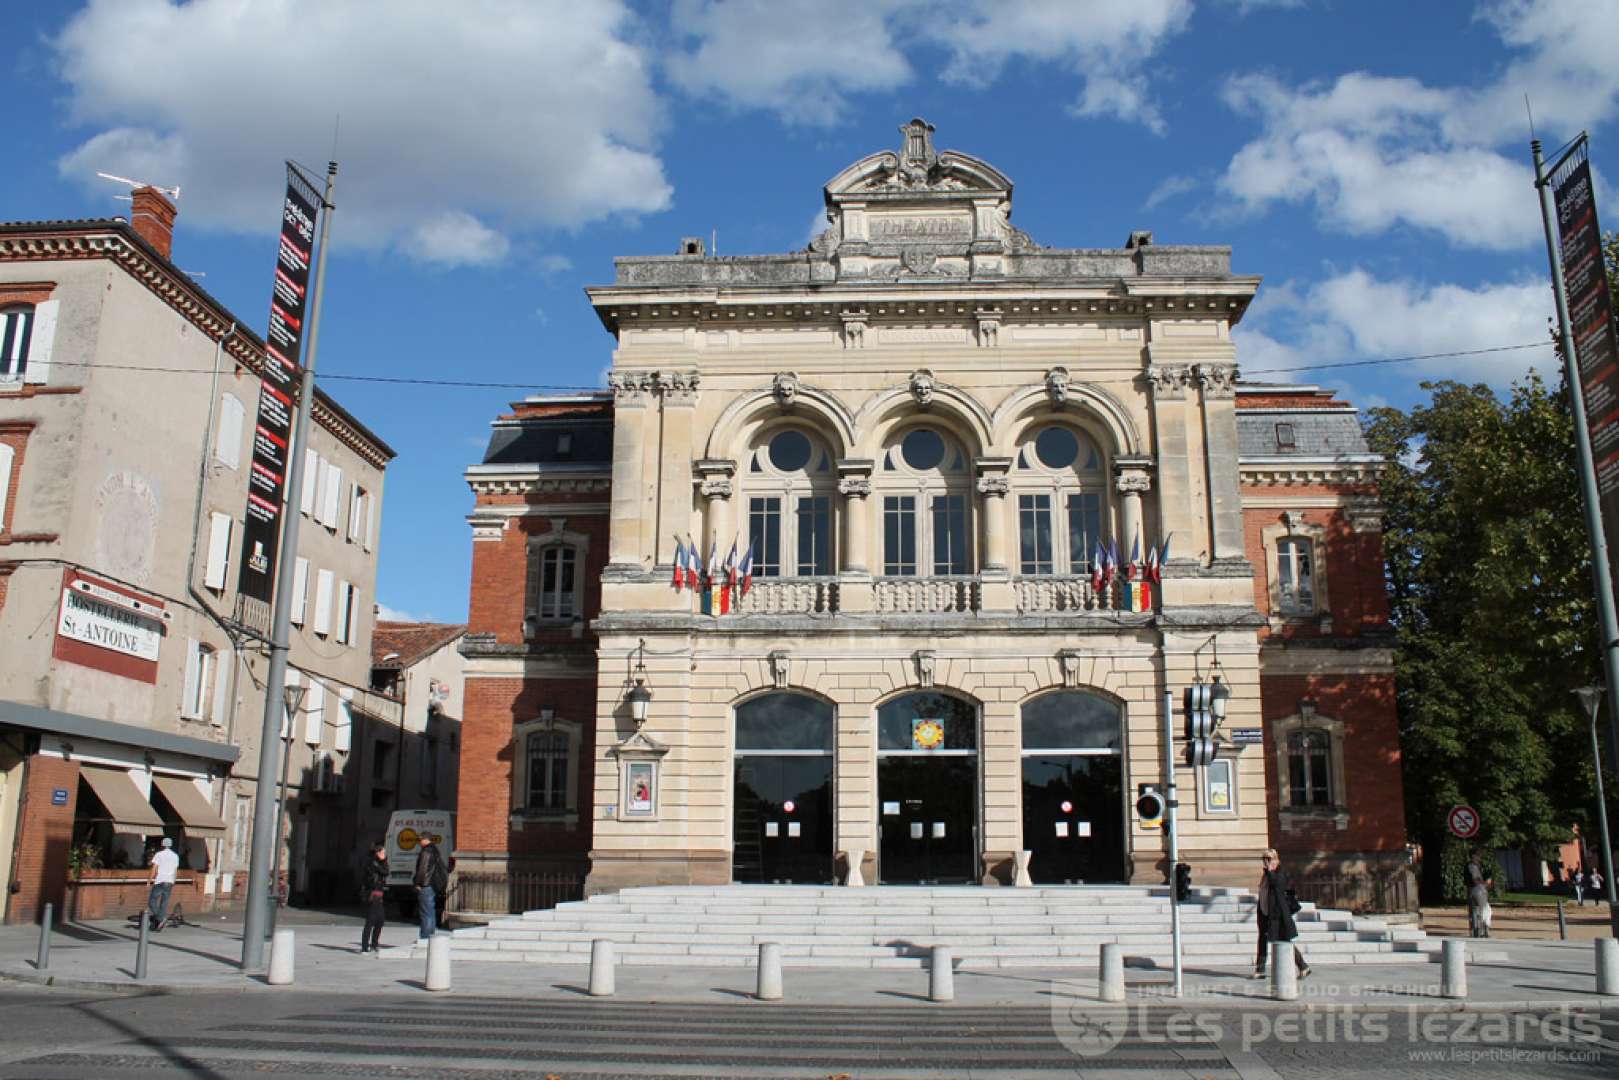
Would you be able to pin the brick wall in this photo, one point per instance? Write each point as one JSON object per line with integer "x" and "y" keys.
{"x": 500, "y": 570}
{"x": 44, "y": 835}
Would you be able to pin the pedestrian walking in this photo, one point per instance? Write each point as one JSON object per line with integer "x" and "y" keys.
{"x": 1596, "y": 887}
{"x": 373, "y": 892}
{"x": 165, "y": 864}
{"x": 1588, "y": 886}
{"x": 1277, "y": 906}
{"x": 1576, "y": 880}
{"x": 1479, "y": 915}
{"x": 432, "y": 880}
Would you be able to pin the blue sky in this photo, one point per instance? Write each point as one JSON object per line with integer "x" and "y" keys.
{"x": 1369, "y": 159}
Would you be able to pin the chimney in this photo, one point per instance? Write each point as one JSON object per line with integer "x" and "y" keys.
{"x": 152, "y": 216}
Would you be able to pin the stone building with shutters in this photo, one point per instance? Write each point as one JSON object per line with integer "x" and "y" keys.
{"x": 927, "y": 429}
{"x": 132, "y": 672}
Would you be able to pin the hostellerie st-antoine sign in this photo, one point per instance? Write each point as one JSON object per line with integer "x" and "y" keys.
{"x": 96, "y": 622}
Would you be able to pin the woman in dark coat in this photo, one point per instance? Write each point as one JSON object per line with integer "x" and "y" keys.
{"x": 374, "y": 889}
{"x": 1276, "y": 914}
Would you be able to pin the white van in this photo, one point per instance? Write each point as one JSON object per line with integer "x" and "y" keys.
{"x": 405, "y": 830}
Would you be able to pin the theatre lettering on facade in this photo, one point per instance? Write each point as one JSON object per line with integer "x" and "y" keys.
{"x": 945, "y": 456}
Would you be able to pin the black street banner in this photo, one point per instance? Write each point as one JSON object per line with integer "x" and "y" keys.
{"x": 278, "y": 392}
{"x": 1590, "y": 310}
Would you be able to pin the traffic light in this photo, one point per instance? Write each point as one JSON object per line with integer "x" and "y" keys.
{"x": 1183, "y": 883}
{"x": 1199, "y": 724}
{"x": 1150, "y": 806}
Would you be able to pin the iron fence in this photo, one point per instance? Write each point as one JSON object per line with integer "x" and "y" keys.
{"x": 1357, "y": 892}
{"x": 507, "y": 894}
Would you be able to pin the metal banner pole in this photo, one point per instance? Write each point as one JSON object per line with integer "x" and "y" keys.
{"x": 266, "y": 839}
{"x": 1601, "y": 576}
{"x": 1171, "y": 814}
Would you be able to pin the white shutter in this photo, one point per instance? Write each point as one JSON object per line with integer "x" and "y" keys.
{"x": 188, "y": 696}
{"x": 343, "y": 596}
{"x": 306, "y": 498}
{"x": 353, "y": 634}
{"x": 39, "y": 346}
{"x": 224, "y": 667}
{"x": 300, "y": 590}
{"x": 228, "y": 440}
{"x": 356, "y": 496}
{"x": 365, "y": 538}
{"x": 323, "y": 602}
{"x": 7, "y": 458}
{"x": 342, "y": 738}
{"x": 292, "y": 680}
{"x": 334, "y": 492}
{"x": 218, "y": 550}
{"x": 315, "y": 708}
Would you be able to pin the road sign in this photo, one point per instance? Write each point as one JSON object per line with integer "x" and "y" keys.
{"x": 1463, "y": 822}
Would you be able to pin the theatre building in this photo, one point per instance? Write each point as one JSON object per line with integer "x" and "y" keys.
{"x": 928, "y": 429}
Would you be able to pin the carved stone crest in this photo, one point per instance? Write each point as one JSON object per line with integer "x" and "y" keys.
{"x": 918, "y": 260}
{"x": 1057, "y": 385}
{"x": 1068, "y": 659}
{"x": 924, "y": 659}
{"x": 785, "y": 388}
{"x": 780, "y": 667}
{"x": 989, "y": 328}
{"x": 854, "y": 329}
{"x": 922, "y": 387}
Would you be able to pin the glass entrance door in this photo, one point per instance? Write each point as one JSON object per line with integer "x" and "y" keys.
{"x": 927, "y": 791}
{"x": 1073, "y": 789}
{"x": 781, "y": 794}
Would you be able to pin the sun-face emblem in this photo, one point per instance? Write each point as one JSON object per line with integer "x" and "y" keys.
{"x": 927, "y": 734}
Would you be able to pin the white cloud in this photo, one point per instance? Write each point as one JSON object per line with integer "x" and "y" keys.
{"x": 454, "y": 238}
{"x": 1356, "y": 316}
{"x": 511, "y": 115}
{"x": 388, "y": 614}
{"x": 802, "y": 58}
{"x": 1171, "y": 187}
{"x": 552, "y": 264}
{"x": 1373, "y": 152}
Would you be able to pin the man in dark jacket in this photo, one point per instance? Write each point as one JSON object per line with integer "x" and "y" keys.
{"x": 431, "y": 879}
{"x": 1276, "y": 914}
{"x": 373, "y": 891}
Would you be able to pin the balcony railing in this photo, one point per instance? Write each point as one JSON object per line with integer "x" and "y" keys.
{"x": 790, "y": 596}
{"x": 910, "y": 595}
{"x": 1051, "y": 593}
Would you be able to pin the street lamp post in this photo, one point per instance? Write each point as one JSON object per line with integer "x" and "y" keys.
{"x": 294, "y": 701}
{"x": 1591, "y": 698}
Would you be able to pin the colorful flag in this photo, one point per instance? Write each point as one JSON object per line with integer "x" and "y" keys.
{"x": 680, "y": 564}
{"x": 1150, "y": 571}
{"x": 1111, "y": 569}
{"x": 747, "y": 569}
{"x": 711, "y": 583}
{"x": 694, "y": 565}
{"x": 1135, "y": 557}
{"x": 728, "y": 580}
{"x": 1163, "y": 558}
{"x": 1098, "y": 562}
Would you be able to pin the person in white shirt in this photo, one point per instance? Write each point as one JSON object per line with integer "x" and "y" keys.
{"x": 164, "y": 865}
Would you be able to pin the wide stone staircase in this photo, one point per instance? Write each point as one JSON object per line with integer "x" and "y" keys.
{"x": 894, "y": 927}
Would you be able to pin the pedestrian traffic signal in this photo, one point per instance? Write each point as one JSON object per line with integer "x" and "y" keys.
{"x": 1150, "y": 807}
{"x": 1183, "y": 883}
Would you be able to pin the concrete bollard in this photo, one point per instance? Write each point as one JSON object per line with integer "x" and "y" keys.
{"x": 1562, "y": 924}
{"x": 281, "y": 946}
{"x": 140, "y": 947}
{"x": 601, "y": 968}
{"x": 438, "y": 962}
{"x": 941, "y": 977}
{"x": 769, "y": 988}
{"x": 1453, "y": 969}
{"x": 855, "y": 878}
{"x": 43, "y": 959}
{"x": 1284, "y": 976}
{"x": 1110, "y": 975}
{"x": 1608, "y": 966}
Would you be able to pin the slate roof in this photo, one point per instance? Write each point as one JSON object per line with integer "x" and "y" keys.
{"x": 537, "y": 441}
{"x": 401, "y": 644}
{"x": 1326, "y": 432}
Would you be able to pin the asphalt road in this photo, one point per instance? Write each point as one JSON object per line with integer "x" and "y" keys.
{"x": 50, "y": 1033}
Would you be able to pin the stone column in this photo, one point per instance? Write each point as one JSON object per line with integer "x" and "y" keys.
{"x": 1220, "y": 453}
{"x": 994, "y": 487}
{"x": 1131, "y": 479}
{"x": 1175, "y": 511}
{"x": 715, "y": 486}
{"x": 854, "y": 484}
{"x": 678, "y": 390}
{"x": 632, "y": 397}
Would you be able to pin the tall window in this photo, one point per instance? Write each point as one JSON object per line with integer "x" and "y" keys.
{"x": 547, "y": 771}
{"x": 1295, "y": 574}
{"x": 790, "y": 485}
{"x": 1061, "y": 482}
{"x": 16, "y": 337}
{"x": 1309, "y": 768}
{"x": 553, "y": 582}
{"x": 925, "y": 503}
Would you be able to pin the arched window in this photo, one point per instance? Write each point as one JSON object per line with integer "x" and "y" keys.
{"x": 16, "y": 340}
{"x": 786, "y": 721}
{"x": 546, "y": 762}
{"x": 1060, "y": 485}
{"x": 1309, "y": 768}
{"x": 553, "y": 582}
{"x": 1073, "y": 721}
{"x": 782, "y": 790}
{"x": 1073, "y": 788}
{"x": 790, "y": 492}
{"x": 927, "y": 722}
{"x": 925, "y": 499}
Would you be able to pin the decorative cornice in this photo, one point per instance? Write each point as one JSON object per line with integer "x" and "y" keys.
{"x": 1169, "y": 381}
{"x": 1218, "y": 380}
{"x": 1310, "y": 472}
{"x": 530, "y": 484}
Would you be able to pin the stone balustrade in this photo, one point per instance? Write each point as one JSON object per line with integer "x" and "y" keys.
{"x": 790, "y": 596}
{"x": 910, "y": 596}
{"x": 1049, "y": 594}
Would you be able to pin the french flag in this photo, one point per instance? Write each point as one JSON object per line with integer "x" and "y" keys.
{"x": 694, "y": 564}
{"x": 1135, "y": 557}
{"x": 747, "y": 569}
{"x": 1098, "y": 565}
{"x": 680, "y": 565}
{"x": 1163, "y": 557}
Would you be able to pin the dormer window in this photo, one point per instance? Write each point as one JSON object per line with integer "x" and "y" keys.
{"x": 1285, "y": 439}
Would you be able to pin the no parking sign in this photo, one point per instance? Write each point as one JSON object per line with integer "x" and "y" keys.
{"x": 1463, "y": 822}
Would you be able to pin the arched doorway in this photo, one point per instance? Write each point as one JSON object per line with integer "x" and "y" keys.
{"x": 782, "y": 795}
{"x": 1073, "y": 788}
{"x": 927, "y": 790}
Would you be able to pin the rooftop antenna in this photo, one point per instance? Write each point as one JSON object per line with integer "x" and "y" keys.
{"x": 171, "y": 192}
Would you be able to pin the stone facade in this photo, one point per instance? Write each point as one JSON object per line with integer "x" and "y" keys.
{"x": 923, "y": 427}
